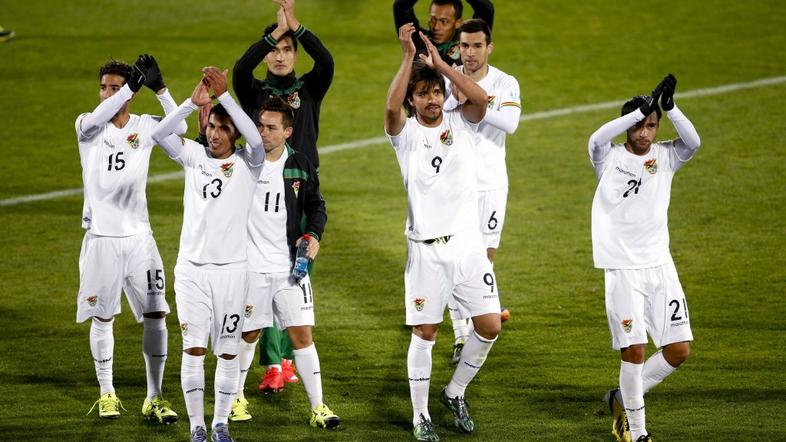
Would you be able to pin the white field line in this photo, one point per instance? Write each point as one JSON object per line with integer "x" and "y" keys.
{"x": 379, "y": 140}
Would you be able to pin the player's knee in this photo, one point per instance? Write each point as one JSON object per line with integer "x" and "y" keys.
{"x": 301, "y": 336}
{"x": 251, "y": 336}
{"x": 633, "y": 354}
{"x": 227, "y": 356}
{"x": 155, "y": 315}
{"x": 195, "y": 351}
{"x": 491, "y": 253}
{"x": 676, "y": 354}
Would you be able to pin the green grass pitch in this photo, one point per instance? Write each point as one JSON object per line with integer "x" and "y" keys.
{"x": 547, "y": 373}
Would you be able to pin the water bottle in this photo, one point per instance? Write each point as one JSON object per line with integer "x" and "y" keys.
{"x": 300, "y": 269}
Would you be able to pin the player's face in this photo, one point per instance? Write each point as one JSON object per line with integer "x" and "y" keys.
{"x": 641, "y": 136}
{"x": 281, "y": 60}
{"x": 474, "y": 50}
{"x": 271, "y": 128}
{"x": 221, "y": 136}
{"x": 109, "y": 85}
{"x": 427, "y": 101}
{"x": 442, "y": 23}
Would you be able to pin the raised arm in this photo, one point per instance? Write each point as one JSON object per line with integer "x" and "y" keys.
{"x": 483, "y": 9}
{"x": 688, "y": 142}
{"x": 154, "y": 80}
{"x": 106, "y": 110}
{"x": 474, "y": 108}
{"x": 164, "y": 134}
{"x": 403, "y": 13}
{"x": 395, "y": 117}
{"x": 319, "y": 78}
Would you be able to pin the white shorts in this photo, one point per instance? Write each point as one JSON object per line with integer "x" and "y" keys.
{"x": 492, "y": 205}
{"x": 108, "y": 265}
{"x": 642, "y": 301}
{"x": 437, "y": 271}
{"x": 277, "y": 296}
{"x": 210, "y": 304}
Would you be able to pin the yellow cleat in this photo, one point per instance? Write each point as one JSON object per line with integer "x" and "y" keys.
{"x": 108, "y": 406}
{"x": 158, "y": 410}
{"x": 619, "y": 420}
{"x": 239, "y": 411}
{"x": 322, "y": 417}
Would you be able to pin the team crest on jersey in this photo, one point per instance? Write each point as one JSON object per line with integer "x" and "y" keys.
{"x": 627, "y": 325}
{"x": 133, "y": 140}
{"x": 446, "y": 137}
{"x": 92, "y": 300}
{"x": 184, "y": 328}
{"x": 249, "y": 311}
{"x": 492, "y": 102}
{"x": 296, "y": 187}
{"x": 227, "y": 169}
{"x": 454, "y": 52}
{"x": 420, "y": 303}
{"x": 293, "y": 100}
{"x": 651, "y": 165}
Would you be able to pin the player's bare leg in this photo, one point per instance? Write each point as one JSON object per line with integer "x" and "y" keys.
{"x": 307, "y": 362}
{"x": 154, "y": 349}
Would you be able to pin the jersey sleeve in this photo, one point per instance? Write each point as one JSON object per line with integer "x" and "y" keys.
{"x": 599, "y": 144}
{"x": 164, "y": 135}
{"x": 88, "y": 125}
{"x": 504, "y": 111}
{"x": 169, "y": 105}
{"x": 319, "y": 78}
{"x": 483, "y": 9}
{"x": 683, "y": 148}
{"x": 243, "y": 82}
{"x": 401, "y": 141}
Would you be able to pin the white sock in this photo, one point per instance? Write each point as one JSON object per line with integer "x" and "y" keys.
{"x": 154, "y": 349}
{"x": 246, "y": 357}
{"x": 102, "y": 347}
{"x": 192, "y": 380}
{"x": 419, "y": 373}
{"x": 307, "y": 362}
{"x": 460, "y": 329}
{"x": 632, "y": 392}
{"x": 227, "y": 374}
{"x": 656, "y": 369}
{"x": 474, "y": 354}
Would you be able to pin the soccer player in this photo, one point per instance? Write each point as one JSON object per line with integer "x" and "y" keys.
{"x": 278, "y": 49}
{"x": 287, "y": 190}
{"x": 447, "y": 257}
{"x": 630, "y": 241}
{"x": 502, "y": 118}
{"x": 118, "y": 249}
{"x": 443, "y": 24}
{"x": 210, "y": 275}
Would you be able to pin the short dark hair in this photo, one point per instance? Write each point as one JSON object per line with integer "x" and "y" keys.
{"x": 458, "y": 7}
{"x": 289, "y": 34}
{"x": 421, "y": 72}
{"x": 220, "y": 110}
{"x": 276, "y": 104}
{"x": 635, "y": 103}
{"x": 474, "y": 25}
{"x": 115, "y": 67}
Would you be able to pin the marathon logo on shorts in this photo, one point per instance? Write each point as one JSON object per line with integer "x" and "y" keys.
{"x": 227, "y": 337}
{"x": 227, "y": 169}
{"x": 249, "y": 310}
{"x": 446, "y": 137}
{"x": 627, "y": 325}
{"x": 133, "y": 140}
{"x": 296, "y": 187}
{"x": 184, "y": 328}
{"x": 306, "y": 308}
{"x": 651, "y": 165}
{"x": 92, "y": 300}
{"x": 419, "y": 304}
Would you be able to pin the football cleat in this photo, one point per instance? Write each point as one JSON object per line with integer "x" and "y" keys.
{"x": 108, "y": 406}
{"x": 457, "y": 347}
{"x": 272, "y": 382}
{"x": 424, "y": 430}
{"x": 199, "y": 435}
{"x": 288, "y": 370}
{"x": 221, "y": 434}
{"x": 460, "y": 409}
{"x": 619, "y": 420}
{"x": 239, "y": 411}
{"x": 322, "y": 417}
{"x": 159, "y": 410}
{"x": 644, "y": 438}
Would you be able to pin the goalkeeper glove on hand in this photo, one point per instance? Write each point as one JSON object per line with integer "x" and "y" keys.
{"x": 669, "y": 86}
{"x": 137, "y": 78}
{"x": 153, "y": 78}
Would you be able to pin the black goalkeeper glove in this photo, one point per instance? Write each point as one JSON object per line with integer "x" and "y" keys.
{"x": 137, "y": 78}
{"x": 153, "y": 78}
{"x": 669, "y": 86}
{"x": 651, "y": 101}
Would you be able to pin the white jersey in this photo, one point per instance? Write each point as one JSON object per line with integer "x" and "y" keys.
{"x": 502, "y": 118}
{"x": 630, "y": 208}
{"x": 268, "y": 250}
{"x": 114, "y": 172}
{"x": 437, "y": 165}
{"x": 216, "y": 204}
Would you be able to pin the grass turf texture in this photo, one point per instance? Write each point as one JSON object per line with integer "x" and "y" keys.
{"x": 546, "y": 375}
